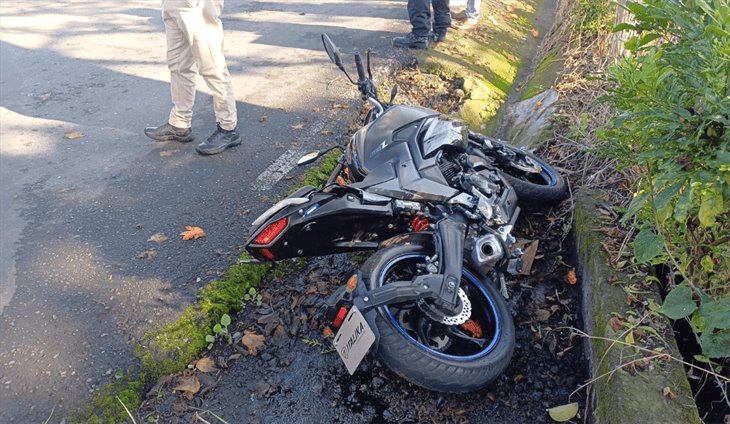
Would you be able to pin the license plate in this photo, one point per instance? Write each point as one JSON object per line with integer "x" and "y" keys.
{"x": 354, "y": 339}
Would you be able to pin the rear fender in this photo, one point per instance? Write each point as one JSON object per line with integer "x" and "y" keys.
{"x": 327, "y": 223}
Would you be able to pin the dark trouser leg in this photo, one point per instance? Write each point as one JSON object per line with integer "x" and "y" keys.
{"x": 441, "y": 16}
{"x": 420, "y": 15}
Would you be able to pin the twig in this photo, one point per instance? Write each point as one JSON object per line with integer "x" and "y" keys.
{"x": 127, "y": 410}
{"x": 609, "y": 373}
{"x": 654, "y": 352}
{"x": 49, "y": 417}
{"x": 208, "y": 411}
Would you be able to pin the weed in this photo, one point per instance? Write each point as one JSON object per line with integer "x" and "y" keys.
{"x": 220, "y": 330}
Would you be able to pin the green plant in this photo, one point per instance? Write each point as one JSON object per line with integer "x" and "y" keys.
{"x": 220, "y": 330}
{"x": 252, "y": 296}
{"x": 672, "y": 95}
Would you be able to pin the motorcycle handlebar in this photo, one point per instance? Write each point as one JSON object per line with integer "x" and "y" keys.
{"x": 360, "y": 68}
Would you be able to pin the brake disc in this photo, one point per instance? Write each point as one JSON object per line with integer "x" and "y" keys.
{"x": 457, "y": 319}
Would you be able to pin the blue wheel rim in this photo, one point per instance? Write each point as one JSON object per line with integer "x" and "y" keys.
{"x": 468, "y": 278}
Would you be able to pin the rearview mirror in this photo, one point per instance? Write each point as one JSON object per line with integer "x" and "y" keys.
{"x": 308, "y": 158}
{"x": 332, "y": 51}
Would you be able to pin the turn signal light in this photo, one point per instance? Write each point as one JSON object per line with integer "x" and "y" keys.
{"x": 271, "y": 232}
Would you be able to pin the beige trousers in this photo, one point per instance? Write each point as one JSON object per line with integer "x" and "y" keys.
{"x": 195, "y": 46}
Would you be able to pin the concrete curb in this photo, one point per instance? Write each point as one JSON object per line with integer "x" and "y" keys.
{"x": 621, "y": 397}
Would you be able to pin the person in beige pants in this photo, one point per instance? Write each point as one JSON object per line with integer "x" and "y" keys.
{"x": 195, "y": 46}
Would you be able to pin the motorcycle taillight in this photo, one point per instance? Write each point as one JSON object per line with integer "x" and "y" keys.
{"x": 271, "y": 231}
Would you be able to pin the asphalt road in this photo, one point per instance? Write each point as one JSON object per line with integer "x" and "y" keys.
{"x": 76, "y": 213}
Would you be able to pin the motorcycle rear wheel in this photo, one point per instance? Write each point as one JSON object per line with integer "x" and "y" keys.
{"x": 430, "y": 354}
{"x": 546, "y": 187}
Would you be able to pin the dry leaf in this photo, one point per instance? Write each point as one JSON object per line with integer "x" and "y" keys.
{"x": 234, "y": 356}
{"x": 206, "y": 364}
{"x": 253, "y": 342}
{"x": 616, "y": 323}
{"x": 325, "y": 132}
{"x": 298, "y": 126}
{"x": 189, "y": 385}
{"x": 670, "y": 394}
{"x": 158, "y": 238}
{"x": 72, "y": 135}
{"x": 166, "y": 153}
{"x": 192, "y": 233}
{"x": 535, "y": 33}
{"x": 147, "y": 254}
{"x": 519, "y": 377}
{"x": 538, "y": 105}
{"x": 264, "y": 118}
{"x": 316, "y": 110}
{"x": 542, "y": 315}
{"x": 570, "y": 278}
{"x": 563, "y": 413}
{"x": 340, "y": 106}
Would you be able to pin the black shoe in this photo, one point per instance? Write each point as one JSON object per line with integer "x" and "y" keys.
{"x": 219, "y": 141}
{"x": 411, "y": 41}
{"x": 169, "y": 133}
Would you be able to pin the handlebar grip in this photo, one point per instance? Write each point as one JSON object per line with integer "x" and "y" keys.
{"x": 360, "y": 67}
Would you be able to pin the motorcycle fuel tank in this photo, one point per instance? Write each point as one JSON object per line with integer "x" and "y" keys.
{"x": 373, "y": 144}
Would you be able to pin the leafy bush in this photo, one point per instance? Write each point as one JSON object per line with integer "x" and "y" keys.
{"x": 672, "y": 95}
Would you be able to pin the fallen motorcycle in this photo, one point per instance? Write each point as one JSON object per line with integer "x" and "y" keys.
{"x": 437, "y": 203}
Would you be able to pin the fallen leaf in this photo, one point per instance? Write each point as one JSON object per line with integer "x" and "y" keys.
{"x": 316, "y": 110}
{"x": 535, "y": 33}
{"x": 538, "y": 105}
{"x": 563, "y": 413}
{"x": 570, "y": 278}
{"x": 341, "y": 106}
{"x": 512, "y": 7}
{"x": 491, "y": 396}
{"x": 189, "y": 385}
{"x": 147, "y": 254}
{"x": 72, "y": 135}
{"x": 542, "y": 315}
{"x": 630, "y": 338}
{"x": 234, "y": 356}
{"x": 670, "y": 394}
{"x": 253, "y": 342}
{"x": 158, "y": 238}
{"x": 298, "y": 126}
{"x": 616, "y": 323}
{"x": 192, "y": 233}
{"x": 206, "y": 364}
{"x": 325, "y": 132}
{"x": 519, "y": 377}
{"x": 264, "y": 118}
{"x": 166, "y": 153}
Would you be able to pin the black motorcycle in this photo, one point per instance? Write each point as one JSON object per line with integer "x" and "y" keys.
{"x": 437, "y": 204}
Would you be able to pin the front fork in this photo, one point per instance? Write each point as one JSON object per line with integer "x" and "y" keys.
{"x": 442, "y": 288}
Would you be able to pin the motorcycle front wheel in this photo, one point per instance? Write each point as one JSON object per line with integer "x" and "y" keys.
{"x": 440, "y": 357}
{"x": 545, "y": 187}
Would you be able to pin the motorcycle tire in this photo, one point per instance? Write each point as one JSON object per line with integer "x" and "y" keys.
{"x": 547, "y": 187}
{"x": 451, "y": 362}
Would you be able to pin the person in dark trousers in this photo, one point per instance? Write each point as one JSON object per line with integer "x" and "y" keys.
{"x": 419, "y": 13}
